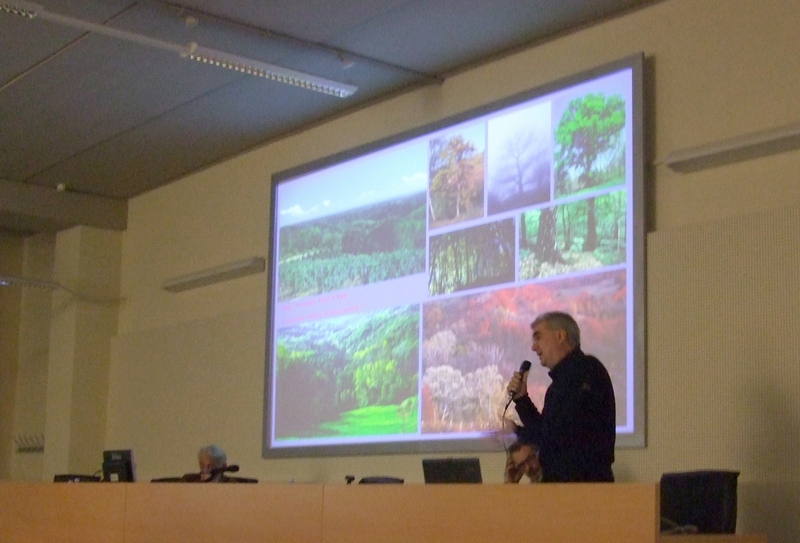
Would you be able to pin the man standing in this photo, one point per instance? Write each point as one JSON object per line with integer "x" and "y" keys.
{"x": 576, "y": 429}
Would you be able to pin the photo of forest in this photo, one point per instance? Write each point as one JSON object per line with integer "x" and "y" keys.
{"x": 590, "y": 144}
{"x": 473, "y": 344}
{"x": 471, "y": 258}
{"x": 581, "y": 235}
{"x": 358, "y": 247}
{"x": 456, "y": 177}
{"x": 348, "y": 376}
{"x": 518, "y": 159}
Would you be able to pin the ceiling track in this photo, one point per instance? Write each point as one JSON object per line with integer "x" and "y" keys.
{"x": 337, "y": 52}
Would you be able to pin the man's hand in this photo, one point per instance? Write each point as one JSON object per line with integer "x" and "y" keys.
{"x": 518, "y": 386}
{"x": 513, "y": 474}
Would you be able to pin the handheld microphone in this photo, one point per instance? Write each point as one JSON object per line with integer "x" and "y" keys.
{"x": 226, "y": 469}
{"x": 525, "y": 366}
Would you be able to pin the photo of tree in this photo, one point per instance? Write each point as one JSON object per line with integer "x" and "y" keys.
{"x": 375, "y": 243}
{"x": 581, "y": 235}
{"x": 590, "y": 144}
{"x": 456, "y": 177}
{"x": 348, "y": 376}
{"x": 471, "y": 258}
{"x": 473, "y": 344}
{"x": 519, "y": 159}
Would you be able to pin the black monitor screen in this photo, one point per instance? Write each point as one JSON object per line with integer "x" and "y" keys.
{"x": 118, "y": 466}
{"x": 451, "y": 470}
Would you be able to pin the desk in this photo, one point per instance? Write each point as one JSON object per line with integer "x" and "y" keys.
{"x": 62, "y": 512}
{"x": 175, "y": 512}
{"x": 600, "y": 513}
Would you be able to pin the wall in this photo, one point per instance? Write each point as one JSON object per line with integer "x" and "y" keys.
{"x": 34, "y": 350}
{"x": 187, "y": 369}
{"x": 10, "y": 302}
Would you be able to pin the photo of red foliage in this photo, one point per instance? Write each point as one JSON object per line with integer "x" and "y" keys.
{"x": 473, "y": 344}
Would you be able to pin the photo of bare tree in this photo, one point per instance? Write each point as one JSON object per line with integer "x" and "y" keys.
{"x": 518, "y": 159}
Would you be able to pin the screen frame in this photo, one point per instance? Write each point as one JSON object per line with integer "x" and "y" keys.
{"x": 637, "y": 322}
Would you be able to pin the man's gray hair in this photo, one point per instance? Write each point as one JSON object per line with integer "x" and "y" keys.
{"x": 217, "y": 455}
{"x": 558, "y": 320}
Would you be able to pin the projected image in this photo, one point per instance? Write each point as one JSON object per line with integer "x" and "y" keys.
{"x": 381, "y": 241}
{"x": 472, "y": 344}
{"x": 348, "y": 376}
{"x": 590, "y": 144}
{"x": 471, "y": 258}
{"x": 580, "y": 235}
{"x": 456, "y": 174}
{"x": 518, "y": 159}
{"x": 404, "y": 274}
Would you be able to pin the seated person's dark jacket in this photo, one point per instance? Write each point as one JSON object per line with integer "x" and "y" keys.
{"x": 576, "y": 430}
{"x": 195, "y": 478}
{"x": 221, "y": 478}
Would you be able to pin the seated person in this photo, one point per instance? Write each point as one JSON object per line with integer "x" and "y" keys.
{"x": 212, "y": 461}
{"x": 523, "y": 460}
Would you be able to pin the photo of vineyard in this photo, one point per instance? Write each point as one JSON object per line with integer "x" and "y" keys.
{"x": 358, "y": 247}
{"x": 519, "y": 159}
{"x": 472, "y": 344}
{"x": 581, "y": 235}
{"x": 473, "y": 257}
{"x": 456, "y": 177}
{"x": 348, "y": 376}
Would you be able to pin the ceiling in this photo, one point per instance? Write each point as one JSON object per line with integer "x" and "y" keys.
{"x": 88, "y": 120}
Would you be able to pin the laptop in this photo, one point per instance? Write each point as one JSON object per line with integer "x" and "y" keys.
{"x": 451, "y": 470}
{"x": 75, "y": 478}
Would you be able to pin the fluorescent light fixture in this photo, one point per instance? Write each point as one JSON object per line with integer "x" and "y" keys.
{"x": 12, "y": 281}
{"x": 24, "y": 9}
{"x": 746, "y": 147}
{"x": 225, "y": 272}
{"x": 270, "y": 71}
{"x": 192, "y": 51}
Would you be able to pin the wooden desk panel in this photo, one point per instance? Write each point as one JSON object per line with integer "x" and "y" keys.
{"x": 63, "y": 512}
{"x": 141, "y": 512}
{"x": 601, "y": 513}
{"x": 176, "y": 512}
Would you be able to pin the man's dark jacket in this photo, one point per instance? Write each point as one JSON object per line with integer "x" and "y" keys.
{"x": 576, "y": 430}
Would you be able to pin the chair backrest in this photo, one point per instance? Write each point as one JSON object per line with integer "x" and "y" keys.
{"x": 705, "y": 499}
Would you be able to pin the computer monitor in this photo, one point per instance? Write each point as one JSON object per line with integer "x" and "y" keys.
{"x": 451, "y": 470}
{"x": 118, "y": 466}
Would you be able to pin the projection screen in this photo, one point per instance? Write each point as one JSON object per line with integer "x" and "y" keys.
{"x": 404, "y": 274}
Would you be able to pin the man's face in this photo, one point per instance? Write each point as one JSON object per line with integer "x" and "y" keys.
{"x": 551, "y": 345}
{"x": 206, "y": 465}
